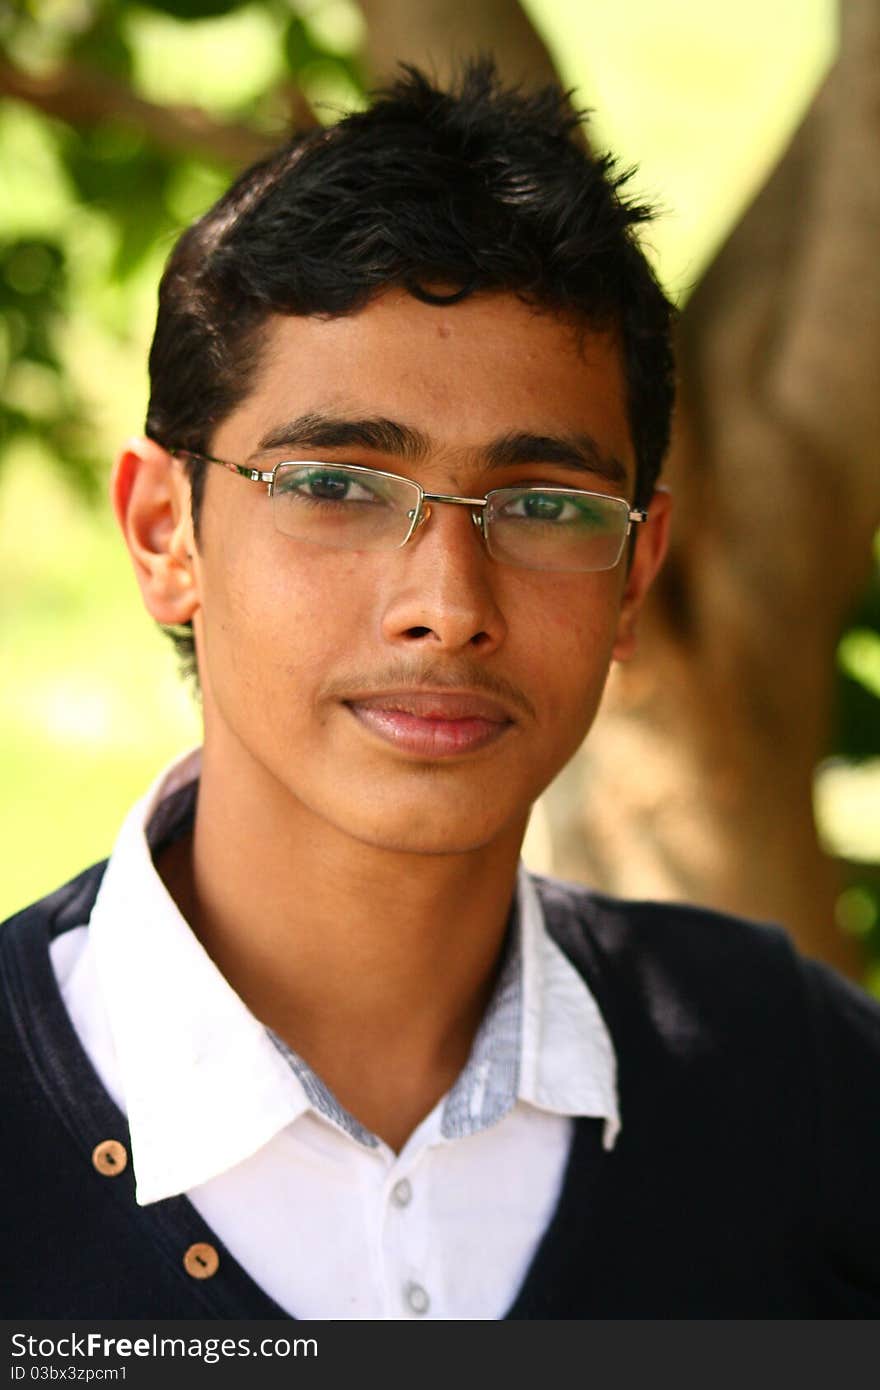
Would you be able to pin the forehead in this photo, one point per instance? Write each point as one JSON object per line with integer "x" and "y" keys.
{"x": 463, "y": 375}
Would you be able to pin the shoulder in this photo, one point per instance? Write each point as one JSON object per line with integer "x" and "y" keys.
{"x": 626, "y": 932}
{"x": 68, "y": 906}
{"x": 25, "y": 938}
{"x": 732, "y": 977}
{"x": 34, "y": 1025}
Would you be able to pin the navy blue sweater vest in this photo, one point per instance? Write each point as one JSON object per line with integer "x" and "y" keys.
{"x": 743, "y": 1183}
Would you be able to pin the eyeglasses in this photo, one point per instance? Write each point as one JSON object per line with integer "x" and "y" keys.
{"x": 343, "y": 506}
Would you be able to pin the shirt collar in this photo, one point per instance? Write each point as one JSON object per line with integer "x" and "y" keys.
{"x": 568, "y": 1064}
{"x": 542, "y": 1039}
{"x": 205, "y": 1084}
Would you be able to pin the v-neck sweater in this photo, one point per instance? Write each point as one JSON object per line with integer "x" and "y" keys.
{"x": 742, "y": 1184}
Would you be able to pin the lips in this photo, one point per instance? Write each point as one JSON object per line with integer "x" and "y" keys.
{"x": 432, "y": 723}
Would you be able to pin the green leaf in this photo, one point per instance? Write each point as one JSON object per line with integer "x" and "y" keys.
{"x": 103, "y": 46}
{"x": 859, "y": 657}
{"x": 299, "y": 47}
{"x": 856, "y": 726}
{"x": 32, "y": 283}
{"x": 115, "y": 171}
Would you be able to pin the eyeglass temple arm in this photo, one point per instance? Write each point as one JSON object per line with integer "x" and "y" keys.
{"x": 254, "y": 474}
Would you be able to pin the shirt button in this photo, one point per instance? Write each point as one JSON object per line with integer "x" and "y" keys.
{"x": 401, "y": 1193}
{"x": 109, "y": 1157}
{"x": 201, "y": 1260}
{"x": 417, "y": 1298}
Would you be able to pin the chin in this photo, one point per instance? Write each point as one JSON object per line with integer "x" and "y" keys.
{"x": 429, "y": 846}
{"x": 429, "y": 835}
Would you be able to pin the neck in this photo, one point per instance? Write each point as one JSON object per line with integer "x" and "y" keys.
{"x": 373, "y": 965}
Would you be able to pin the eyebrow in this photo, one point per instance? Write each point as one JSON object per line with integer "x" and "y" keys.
{"x": 579, "y": 451}
{"x": 377, "y": 433}
{"x": 315, "y": 431}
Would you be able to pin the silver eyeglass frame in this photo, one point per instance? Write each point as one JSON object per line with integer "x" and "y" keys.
{"x": 419, "y": 514}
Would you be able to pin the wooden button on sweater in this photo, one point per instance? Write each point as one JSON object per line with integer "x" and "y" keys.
{"x": 109, "y": 1157}
{"x": 201, "y": 1260}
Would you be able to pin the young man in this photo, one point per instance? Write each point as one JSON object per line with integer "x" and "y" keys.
{"x": 311, "y": 1043}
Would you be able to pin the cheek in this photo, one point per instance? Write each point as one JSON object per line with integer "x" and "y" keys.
{"x": 272, "y": 625}
{"x": 569, "y": 644}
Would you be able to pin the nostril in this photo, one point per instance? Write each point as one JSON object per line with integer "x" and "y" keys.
{"x": 418, "y": 631}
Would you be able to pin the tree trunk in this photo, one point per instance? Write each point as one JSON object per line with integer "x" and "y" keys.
{"x": 696, "y": 782}
{"x": 438, "y": 34}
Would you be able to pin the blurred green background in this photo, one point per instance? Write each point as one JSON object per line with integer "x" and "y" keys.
{"x": 702, "y": 98}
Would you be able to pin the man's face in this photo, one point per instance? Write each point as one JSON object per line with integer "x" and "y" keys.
{"x": 309, "y": 657}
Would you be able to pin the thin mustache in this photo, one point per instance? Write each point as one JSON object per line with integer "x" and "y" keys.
{"x": 402, "y": 677}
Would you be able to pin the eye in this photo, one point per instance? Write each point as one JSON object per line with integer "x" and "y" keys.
{"x": 329, "y": 485}
{"x": 559, "y": 508}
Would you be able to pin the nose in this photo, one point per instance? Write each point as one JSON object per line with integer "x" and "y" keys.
{"x": 441, "y": 590}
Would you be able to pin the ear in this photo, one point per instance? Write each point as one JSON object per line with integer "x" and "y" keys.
{"x": 650, "y": 549}
{"x": 150, "y": 494}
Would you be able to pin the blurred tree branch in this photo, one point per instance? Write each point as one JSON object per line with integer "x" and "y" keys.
{"x": 83, "y": 98}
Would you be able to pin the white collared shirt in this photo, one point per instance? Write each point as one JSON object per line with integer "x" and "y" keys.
{"x": 324, "y": 1216}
